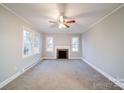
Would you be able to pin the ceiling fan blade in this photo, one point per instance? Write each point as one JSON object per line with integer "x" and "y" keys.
{"x": 70, "y": 21}
{"x": 67, "y": 25}
{"x": 61, "y": 19}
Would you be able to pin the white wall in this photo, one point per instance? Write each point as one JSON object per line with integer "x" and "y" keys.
{"x": 103, "y": 45}
{"x": 11, "y": 36}
{"x": 61, "y": 39}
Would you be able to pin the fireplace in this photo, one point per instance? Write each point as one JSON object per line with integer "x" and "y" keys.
{"x": 62, "y": 53}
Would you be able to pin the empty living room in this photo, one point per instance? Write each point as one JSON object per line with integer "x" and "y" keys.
{"x": 61, "y": 46}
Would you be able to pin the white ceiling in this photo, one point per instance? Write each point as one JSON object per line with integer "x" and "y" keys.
{"x": 39, "y": 14}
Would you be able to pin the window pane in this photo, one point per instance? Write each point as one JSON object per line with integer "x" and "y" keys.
{"x": 27, "y": 43}
{"x": 75, "y": 47}
{"x": 37, "y": 43}
{"x": 49, "y": 43}
{"x": 75, "y": 44}
{"x": 74, "y": 40}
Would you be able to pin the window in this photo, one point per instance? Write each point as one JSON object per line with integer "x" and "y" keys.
{"x": 75, "y": 44}
{"x": 31, "y": 42}
{"x": 49, "y": 44}
{"x": 27, "y": 43}
{"x": 37, "y": 43}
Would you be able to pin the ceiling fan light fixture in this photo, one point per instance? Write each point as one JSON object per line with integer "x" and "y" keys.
{"x": 62, "y": 26}
{"x": 62, "y": 22}
{"x": 61, "y": 19}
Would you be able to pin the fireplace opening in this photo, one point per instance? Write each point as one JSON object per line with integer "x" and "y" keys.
{"x": 62, "y": 53}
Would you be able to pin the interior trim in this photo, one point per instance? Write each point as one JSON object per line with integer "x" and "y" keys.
{"x": 91, "y": 26}
{"x": 5, "y": 82}
{"x": 108, "y": 76}
{"x": 55, "y": 58}
{"x": 10, "y": 10}
{"x": 104, "y": 17}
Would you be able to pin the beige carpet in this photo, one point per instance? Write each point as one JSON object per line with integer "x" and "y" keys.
{"x": 61, "y": 74}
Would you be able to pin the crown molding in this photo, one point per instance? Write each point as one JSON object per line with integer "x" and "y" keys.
{"x": 91, "y": 26}
{"x": 104, "y": 17}
{"x": 20, "y": 17}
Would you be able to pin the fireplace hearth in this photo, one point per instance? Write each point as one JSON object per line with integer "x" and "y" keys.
{"x": 62, "y": 53}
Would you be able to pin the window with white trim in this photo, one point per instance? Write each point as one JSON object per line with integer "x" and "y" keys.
{"x": 27, "y": 43}
{"x": 36, "y": 43}
{"x": 49, "y": 44}
{"x": 75, "y": 44}
{"x": 31, "y": 42}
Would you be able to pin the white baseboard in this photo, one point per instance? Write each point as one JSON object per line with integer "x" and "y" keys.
{"x": 30, "y": 66}
{"x": 55, "y": 58}
{"x": 116, "y": 81}
{"x": 75, "y": 58}
{"x": 5, "y": 82}
{"x": 48, "y": 58}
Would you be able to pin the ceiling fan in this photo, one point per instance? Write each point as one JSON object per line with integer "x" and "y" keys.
{"x": 63, "y": 22}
